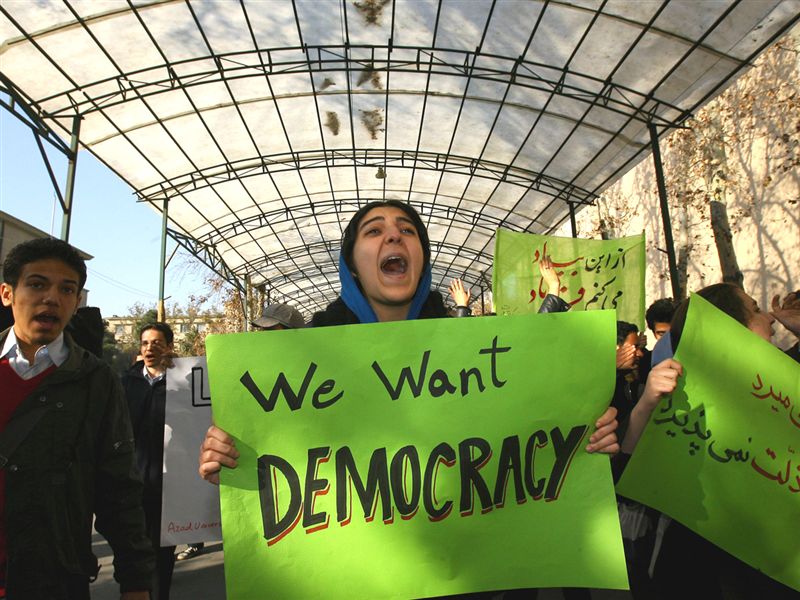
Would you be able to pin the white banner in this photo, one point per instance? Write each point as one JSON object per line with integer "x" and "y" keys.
{"x": 189, "y": 505}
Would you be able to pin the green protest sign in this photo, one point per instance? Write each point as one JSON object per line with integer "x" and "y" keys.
{"x": 594, "y": 274}
{"x": 416, "y": 459}
{"x": 727, "y": 435}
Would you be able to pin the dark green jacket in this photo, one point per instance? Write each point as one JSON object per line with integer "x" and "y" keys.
{"x": 77, "y": 462}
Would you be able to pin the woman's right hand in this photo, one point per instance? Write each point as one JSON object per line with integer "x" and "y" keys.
{"x": 218, "y": 450}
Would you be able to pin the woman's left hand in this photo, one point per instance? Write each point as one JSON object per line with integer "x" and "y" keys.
{"x": 604, "y": 439}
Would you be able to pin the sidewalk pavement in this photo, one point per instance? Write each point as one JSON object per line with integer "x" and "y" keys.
{"x": 199, "y": 578}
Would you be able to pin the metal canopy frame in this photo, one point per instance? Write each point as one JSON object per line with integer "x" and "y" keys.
{"x": 261, "y": 127}
{"x": 15, "y": 103}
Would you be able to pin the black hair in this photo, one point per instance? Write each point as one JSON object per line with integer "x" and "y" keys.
{"x": 725, "y": 296}
{"x": 624, "y": 329}
{"x": 350, "y": 233}
{"x": 660, "y": 311}
{"x": 42, "y": 249}
{"x": 162, "y": 327}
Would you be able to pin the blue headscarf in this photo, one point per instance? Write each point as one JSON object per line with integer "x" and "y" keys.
{"x": 355, "y": 300}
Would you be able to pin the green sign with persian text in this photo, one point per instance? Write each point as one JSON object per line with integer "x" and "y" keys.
{"x": 594, "y": 274}
{"x": 722, "y": 455}
{"x": 417, "y": 459}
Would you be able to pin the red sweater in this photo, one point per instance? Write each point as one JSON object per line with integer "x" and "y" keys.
{"x": 14, "y": 390}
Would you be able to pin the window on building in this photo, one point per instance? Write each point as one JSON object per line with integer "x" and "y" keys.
{"x": 119, "y": 330}
{"x": 184, "y": 327}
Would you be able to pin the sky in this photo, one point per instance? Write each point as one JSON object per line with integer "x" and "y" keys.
{"x": 124, "y": 236}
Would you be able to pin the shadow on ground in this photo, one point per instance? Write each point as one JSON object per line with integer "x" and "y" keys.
{"x": 199, "y": 578}
{"x": 202, "y": 578}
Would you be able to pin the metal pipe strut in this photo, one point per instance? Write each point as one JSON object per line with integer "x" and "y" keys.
{"x": 665, "y": 220}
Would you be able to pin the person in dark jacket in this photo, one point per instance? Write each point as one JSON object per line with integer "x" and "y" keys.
{"x": 630, "y": 352}
{"x": 145, "y": 386}
{"x": 66, "y": 447}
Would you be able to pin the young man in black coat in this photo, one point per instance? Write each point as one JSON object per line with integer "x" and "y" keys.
{"x": 66, "y": 450}
{"x": 145, "y": 386}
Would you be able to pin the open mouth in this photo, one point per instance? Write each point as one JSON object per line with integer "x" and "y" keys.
{"x": 394, "y": 265}
{"x": 46, "y": 319}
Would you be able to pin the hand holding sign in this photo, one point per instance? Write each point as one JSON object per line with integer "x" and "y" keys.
{"x": 604, "y": 438}
{"x": 661, "y": 381}
{"x": 218, "y": 450}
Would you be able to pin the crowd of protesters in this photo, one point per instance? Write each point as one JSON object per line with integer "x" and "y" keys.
{"x": 78, "y": 444}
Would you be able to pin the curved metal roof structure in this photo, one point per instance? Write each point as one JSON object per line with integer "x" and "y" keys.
{"x": 263, "y": 125}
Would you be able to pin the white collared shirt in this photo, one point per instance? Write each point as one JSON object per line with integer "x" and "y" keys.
{"x": 54, "y": 353}
{"x": 152, "y": 379}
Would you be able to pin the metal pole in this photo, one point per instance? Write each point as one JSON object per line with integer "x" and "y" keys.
{"x": 162, "y": 266}
{"x": 70, "y": 187}
{"x": 665, "y": 220}
{"x": 572, "y": 219}
{"x": 243, "y": 302}
{"x": 248, "y": 301}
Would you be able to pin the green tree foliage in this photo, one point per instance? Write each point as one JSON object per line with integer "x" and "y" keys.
{"x": 183, "y": 319}
{"x": 118, "y": 357}
{"x": 192, "y": 344}
{"x": 142, "y": 315}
